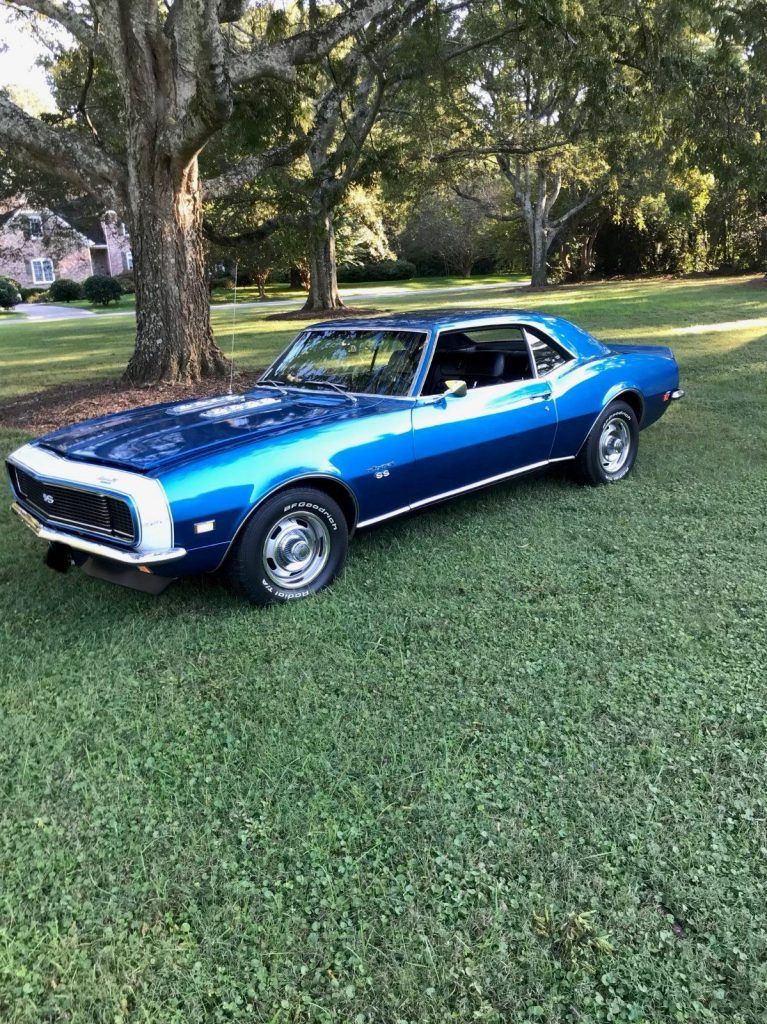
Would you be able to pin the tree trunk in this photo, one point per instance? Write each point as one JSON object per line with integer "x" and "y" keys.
{"x": 262, "y": 276}
{"x": 174, "y": 340}
{"x": 298, "y": 276}
{"x": 539, "y": 274}
{"x": 323, "y": 277}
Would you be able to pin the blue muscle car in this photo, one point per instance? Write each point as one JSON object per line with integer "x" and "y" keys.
{"x": 356, "y": 422}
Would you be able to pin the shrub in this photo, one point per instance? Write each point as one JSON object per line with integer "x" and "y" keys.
{"x": 65, "y": 290}
{"x": 12, "y": 281}
{"x": 224, "y": 282}
{"x": 383, "y": 270}
{"x": 10, "y": 295}
{"x": 101, "y": 290}
{"x": 127, "y": 282}
{"x": 34, "y": 294}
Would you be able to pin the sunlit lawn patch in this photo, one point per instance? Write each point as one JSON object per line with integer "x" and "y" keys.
{"x": 511, "y": 768}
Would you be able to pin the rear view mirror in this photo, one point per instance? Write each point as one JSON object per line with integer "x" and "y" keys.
{"x": 455, "y": 389}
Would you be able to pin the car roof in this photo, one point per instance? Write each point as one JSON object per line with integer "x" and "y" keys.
{"x": 431, "y": 319}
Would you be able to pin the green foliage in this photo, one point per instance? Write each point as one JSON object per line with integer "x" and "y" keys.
{"x": 10, "y": 294}
{"x": 34, "y": 294}
{"x": 127, "y": 282}
{"x": 384, "y": 270}
{"x": 101, "y": 290}
{"x": 65, "y": 290}
{"x": 514, "y": 771}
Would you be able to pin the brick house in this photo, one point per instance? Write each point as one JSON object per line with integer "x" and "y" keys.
{"x": 38, "y": 246}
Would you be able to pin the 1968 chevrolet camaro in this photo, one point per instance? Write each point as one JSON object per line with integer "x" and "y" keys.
{"x": 353, "y": 424}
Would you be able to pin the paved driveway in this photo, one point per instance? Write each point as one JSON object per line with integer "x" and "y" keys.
{"x": 46, "y": 311}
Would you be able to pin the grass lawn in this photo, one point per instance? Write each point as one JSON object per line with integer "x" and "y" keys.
{"x": 511, "y": 768}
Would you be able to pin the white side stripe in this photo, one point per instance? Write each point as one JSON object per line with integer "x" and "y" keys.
{"x": 462, "y": 490}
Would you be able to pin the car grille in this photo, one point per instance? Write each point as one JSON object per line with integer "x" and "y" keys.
{"x": 88, "y": 510}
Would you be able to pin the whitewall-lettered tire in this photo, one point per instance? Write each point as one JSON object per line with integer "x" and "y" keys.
{"x": 292, "y": 546}
{"x": 610, "y": 450}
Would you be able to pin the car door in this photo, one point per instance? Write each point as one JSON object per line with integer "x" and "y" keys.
{"x": 497, "y": 429}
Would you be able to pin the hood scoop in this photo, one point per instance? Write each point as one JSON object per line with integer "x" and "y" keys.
{"x": 197, "y": 405}
{"x": 235, "y": 408}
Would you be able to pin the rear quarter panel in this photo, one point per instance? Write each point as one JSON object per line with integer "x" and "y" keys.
{"x": 582, "y": 390}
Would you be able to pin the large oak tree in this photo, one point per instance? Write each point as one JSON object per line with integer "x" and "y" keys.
{"x": 178, "y": 66}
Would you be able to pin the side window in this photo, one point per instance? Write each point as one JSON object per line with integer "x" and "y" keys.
{"x": 481, "y": 356}
{"x": 547, "y": 354}
{"x": 35, "y": 226}
{"x": 42, "y": 271}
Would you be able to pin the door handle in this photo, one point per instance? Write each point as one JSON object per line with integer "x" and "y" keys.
{"x": 542, "y": 396}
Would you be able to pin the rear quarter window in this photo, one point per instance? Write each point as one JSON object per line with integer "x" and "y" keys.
{"x": 547, "y": 354}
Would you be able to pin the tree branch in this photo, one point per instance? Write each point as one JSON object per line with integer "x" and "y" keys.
{"x": 507, "y": 149}
{"x": 488, "y": 210}
{"x": 280, "y": 59}
{"x": 60, "y": 152}
{"x": 64, "y": 13}
{"x": 251, "y": 167}
{"x": 203, "y": 89}
{"x": 561, "y": 221}
{"x": 258, "y": 234}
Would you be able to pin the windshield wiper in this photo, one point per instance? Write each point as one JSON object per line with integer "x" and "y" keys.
{"x": 301, "y": 381}
{"x": 269, "y": 382}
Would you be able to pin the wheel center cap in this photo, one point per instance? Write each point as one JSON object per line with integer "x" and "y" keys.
{"x": 300, "y": 550}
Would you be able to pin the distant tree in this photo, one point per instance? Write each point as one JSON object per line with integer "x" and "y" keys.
{"x": 446, "y": 228}
{"x": 561, "y": 99}
{"x": 341, "y": 99}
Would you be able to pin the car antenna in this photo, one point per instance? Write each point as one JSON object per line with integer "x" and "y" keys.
{"x": 234, "y": 321}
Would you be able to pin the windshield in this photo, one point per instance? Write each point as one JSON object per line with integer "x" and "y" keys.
{"x": 373, "y": 361}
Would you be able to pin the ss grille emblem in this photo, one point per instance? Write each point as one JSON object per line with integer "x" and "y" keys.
{"x": 47, "y": 498}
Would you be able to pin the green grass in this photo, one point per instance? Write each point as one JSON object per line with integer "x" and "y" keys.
{"x": 510, "y": 768}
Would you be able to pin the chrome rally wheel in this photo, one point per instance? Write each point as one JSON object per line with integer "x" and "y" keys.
{"x": 293, "y": 545}
{"x": 614, "y": 443}
{"x": 296, "y": 550}
{"x": 610, "y": 450}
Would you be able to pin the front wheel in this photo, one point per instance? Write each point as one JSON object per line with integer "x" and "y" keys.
{"x": 610, "y": 450}
{"x": 293, "y": 545}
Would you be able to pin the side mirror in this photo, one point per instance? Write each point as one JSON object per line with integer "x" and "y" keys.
{"x": 455, "y": 389}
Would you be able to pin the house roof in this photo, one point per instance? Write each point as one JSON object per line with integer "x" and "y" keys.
{"x": 76, "y": 214}
{"x": 82, "y": 218}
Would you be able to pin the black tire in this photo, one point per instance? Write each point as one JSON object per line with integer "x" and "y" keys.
{"x": 618, "y": 420}
{"x": 285, "y": 527}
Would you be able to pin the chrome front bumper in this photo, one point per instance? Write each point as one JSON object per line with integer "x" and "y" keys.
{"x": 134, "y": 558}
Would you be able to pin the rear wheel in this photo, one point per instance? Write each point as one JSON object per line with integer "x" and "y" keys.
{"x": 610, "y": 450}
{"x": 293, "y": 545}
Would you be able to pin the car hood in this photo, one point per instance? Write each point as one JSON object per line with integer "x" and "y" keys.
{"x": 159, "y": 435}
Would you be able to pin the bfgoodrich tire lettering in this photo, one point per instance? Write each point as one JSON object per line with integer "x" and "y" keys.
{"x": 293, "y": 545}
{"x": 610, "y": 450}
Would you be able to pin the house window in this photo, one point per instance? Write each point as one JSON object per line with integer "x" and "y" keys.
{"x": 35, "y": 226}
{"x": 128, "y": 260}
{"x": 42, "y": 271}
{"x": 122, "y": 231}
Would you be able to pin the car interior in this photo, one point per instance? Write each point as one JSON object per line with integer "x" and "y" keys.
{"x": 481, "y": 356}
